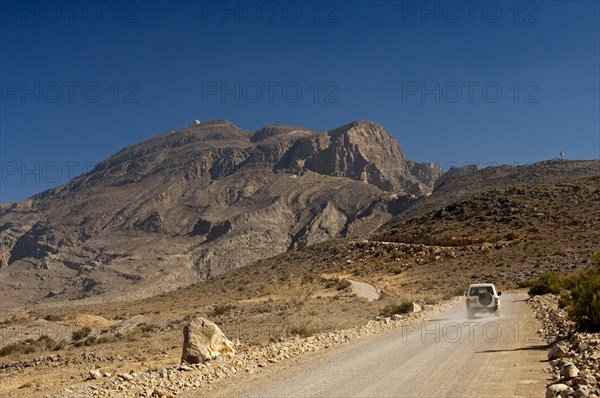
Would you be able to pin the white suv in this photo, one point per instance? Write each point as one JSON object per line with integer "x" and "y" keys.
{"x": 482, "y": 298}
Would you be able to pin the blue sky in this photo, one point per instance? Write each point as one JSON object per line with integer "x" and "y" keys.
{"x": 488, "y": 83}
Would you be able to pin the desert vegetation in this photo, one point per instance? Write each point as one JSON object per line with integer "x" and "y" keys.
{"x": 403, "y": 307}
{"x": 579, "y": 294}
{"x": 32, "y": 346}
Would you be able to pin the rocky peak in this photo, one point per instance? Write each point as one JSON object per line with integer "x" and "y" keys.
{"x": 365, "y": 151}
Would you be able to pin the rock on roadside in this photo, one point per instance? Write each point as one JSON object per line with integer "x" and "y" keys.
{"x": 574, "y": 357}
{"x": 555, "y": 390}
{"x": 414, "y": 307}
{"x": 95, "y": 374}
{"x": 204, "y": 341}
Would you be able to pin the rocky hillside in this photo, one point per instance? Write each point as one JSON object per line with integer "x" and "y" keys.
{"x": 201, "y": 201}
{"x": 504, "y": 236}
{"x": 460, "y": 183}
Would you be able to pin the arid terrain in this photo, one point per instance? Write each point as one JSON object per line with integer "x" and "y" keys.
{"x": 103, "y": 273}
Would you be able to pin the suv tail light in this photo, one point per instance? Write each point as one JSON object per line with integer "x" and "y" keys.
{"x": 496, "y": 300}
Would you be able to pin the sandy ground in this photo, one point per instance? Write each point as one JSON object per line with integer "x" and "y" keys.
{"x": 448, "y": 356}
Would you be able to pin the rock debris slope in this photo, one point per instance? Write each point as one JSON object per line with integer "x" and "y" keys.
{"x": 198, "y": 202}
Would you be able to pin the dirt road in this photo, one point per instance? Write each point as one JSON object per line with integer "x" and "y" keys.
{"x": 449, "y": 356}
{"x": 362, "y": 289}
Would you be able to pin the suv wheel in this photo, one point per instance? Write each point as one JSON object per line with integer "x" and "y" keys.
{"x": 485, "y": 299}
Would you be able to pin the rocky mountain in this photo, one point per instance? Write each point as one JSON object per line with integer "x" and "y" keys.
{"x": 201, "y": 201}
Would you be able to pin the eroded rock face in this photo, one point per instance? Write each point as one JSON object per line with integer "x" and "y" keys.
{"x": 203, "y": 341}
{"x": 328, "y": 223}
{"x": 363, "y": 151}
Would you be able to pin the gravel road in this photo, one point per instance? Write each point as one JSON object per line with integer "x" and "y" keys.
{"x": 365, "y": 290}
{"x": 449, "y": 356}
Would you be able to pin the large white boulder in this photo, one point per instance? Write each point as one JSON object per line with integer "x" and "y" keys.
{"x": 204, "y": 341}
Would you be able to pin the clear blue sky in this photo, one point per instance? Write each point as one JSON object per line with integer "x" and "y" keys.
{"x": 81, "y": 82}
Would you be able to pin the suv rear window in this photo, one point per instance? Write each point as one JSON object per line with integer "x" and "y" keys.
{"x": 476, "y": 291}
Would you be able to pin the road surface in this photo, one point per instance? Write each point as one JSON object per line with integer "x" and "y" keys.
{"x": 365, "y": 290}
{"x": 449, "y": 356}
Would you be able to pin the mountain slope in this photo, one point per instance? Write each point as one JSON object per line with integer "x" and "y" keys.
{"x": 461, "y": 182}
{"x": 199, "y": 202}
{"x": 504, "y": 235}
